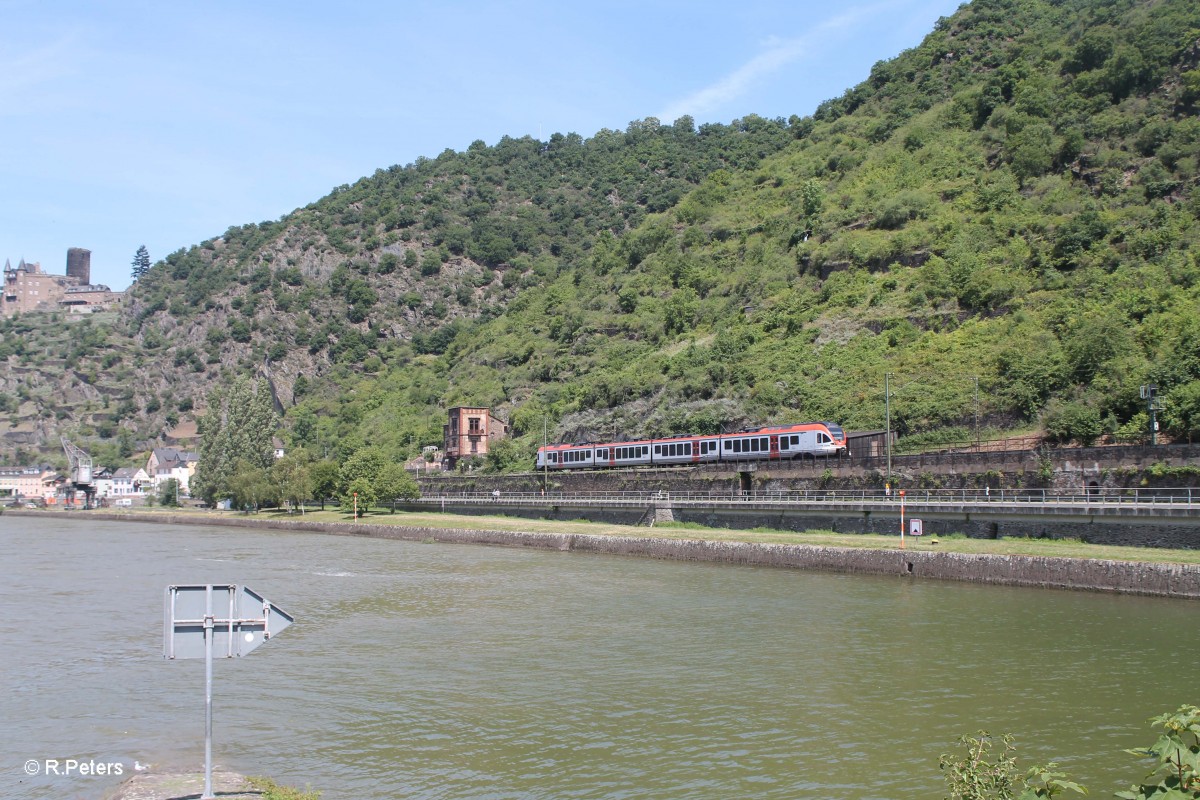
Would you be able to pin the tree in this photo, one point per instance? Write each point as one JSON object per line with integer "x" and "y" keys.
{"x": 358, "y": 496}
{"x": 369, "y": 473}
{"x": 326, "y": 480}
{"x": 141, "y": 262}
{"x": 812, "y": 197}
{"x": 1182, "y": 412}
{"x": 394, "y": 483}
{"x": 358, "y": 476}
{"x": 292, "y": 476}
{"x": 507, "y": 455}
{"x": 1072, "y": 421}
{"x": 168, "y": 492}
{"x": 251, "y": 486}
{"x": 239, "y": 425}
{"x": 365, "y": 462}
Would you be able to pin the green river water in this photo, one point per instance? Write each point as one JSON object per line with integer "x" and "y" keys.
{"x": 441, "y": 671}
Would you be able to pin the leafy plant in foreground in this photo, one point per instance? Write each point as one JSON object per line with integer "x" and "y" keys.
{"x": 1177, "y": 752}
{"x": 978, "y": 775}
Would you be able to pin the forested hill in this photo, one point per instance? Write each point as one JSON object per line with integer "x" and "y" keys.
{"x": 1007, "y": 212}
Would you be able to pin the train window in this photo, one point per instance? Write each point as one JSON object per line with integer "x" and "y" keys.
{"x": 823, "y": 438}
{"x": 658, "y": 449}
{"x": 796, "y": 441}
{"x": 754, "y": 445}
{"x": 687, "y": 448}
{"x": 728, "y": 445}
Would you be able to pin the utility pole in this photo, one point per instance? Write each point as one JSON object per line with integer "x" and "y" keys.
{"x": 887, "y": 412}
{"x": 1149, "y": 393}
{"x": 976, "y": 412}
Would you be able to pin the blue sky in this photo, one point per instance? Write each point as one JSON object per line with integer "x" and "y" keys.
{"x": 159, "y": 123}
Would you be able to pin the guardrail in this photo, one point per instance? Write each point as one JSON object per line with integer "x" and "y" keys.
{"x": 1184, "y": 496}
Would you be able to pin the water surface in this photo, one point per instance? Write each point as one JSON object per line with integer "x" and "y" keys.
{"x": 446, "y": 671}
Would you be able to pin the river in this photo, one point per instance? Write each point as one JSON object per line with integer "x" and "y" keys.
{"x": 456, "y": 671}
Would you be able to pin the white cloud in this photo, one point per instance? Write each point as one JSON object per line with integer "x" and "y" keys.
{"x": 777, "y": 55}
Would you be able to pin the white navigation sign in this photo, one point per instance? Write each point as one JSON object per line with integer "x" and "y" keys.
{"x": 239, "y": 617}
{"x": 221, "y": 620}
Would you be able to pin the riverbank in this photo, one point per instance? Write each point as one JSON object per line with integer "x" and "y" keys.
{"x": 1135, "y": 575}
{"x": 185, "y": 786}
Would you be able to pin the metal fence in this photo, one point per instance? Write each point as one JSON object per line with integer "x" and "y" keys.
{"x": 1182, "y": 496}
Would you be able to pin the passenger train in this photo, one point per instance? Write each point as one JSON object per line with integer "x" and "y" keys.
{"x": 785, "y": 442}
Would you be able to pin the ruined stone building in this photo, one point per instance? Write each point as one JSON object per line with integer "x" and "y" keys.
{"x": 27, "y": 288}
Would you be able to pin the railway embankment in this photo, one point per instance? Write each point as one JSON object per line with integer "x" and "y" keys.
{"x": 1126, "y": 577}
{"x": 1065, "y": 470}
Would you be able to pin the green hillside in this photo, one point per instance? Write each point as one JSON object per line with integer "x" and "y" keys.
{"x": 1004, "y": 218}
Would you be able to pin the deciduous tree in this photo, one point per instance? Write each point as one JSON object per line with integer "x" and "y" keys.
{"x": 239, "y": 425}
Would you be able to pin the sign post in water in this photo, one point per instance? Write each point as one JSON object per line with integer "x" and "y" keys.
{"x": 222, "y": 619}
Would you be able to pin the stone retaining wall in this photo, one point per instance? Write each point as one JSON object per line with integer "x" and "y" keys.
{"x": 977, "y": 522}
{"x": 1170, "y": 580}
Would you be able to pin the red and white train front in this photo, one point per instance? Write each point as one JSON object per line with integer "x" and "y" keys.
{"x": 802, "y": 440}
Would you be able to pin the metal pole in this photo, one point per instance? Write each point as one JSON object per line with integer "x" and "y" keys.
{"x": 887, "y": 412}
{"x": 208, "y": 648}
{"x": 1153, "y": 421}
{"x": 976, "y": 412}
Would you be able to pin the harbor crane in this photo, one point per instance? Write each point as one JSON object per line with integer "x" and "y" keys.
{"x": 79, "y": 478}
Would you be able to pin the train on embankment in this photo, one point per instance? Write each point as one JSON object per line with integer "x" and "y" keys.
{"x": 776, "y": 443}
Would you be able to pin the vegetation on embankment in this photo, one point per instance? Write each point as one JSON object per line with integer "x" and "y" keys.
{"x": 273, "y": 791}
{"x": 1037, "y": 548}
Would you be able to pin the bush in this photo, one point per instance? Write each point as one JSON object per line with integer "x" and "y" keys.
{"x": 1072, "y": 422}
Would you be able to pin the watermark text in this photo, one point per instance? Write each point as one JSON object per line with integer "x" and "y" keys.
{"x": 73, "y": 768}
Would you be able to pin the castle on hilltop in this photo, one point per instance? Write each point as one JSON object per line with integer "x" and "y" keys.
{"x": 28, "y": 288}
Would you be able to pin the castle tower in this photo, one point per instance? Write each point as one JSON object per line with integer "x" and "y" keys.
{"x": 79, "y": 265}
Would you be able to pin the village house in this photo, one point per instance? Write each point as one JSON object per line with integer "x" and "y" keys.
{"x": 27, "y": 482}
{"x": 469, "y": 432}
{"x": 128, "y": 482}
{"x": 166, "y": 463}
